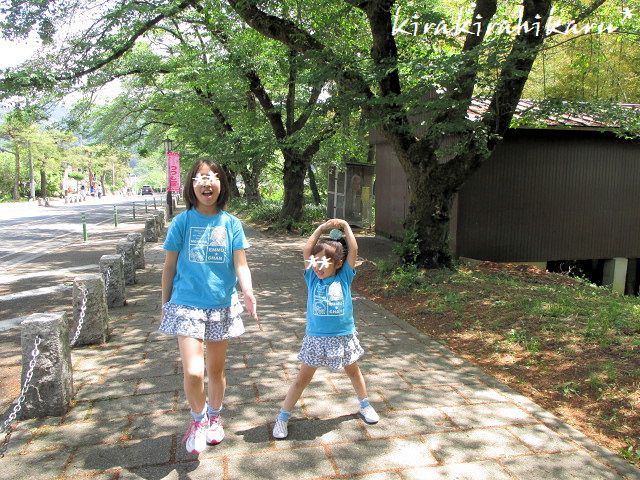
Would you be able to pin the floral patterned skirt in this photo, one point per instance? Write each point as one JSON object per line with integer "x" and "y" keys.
{"x": 208, "y": 324}
{"x": 332, "y": 352}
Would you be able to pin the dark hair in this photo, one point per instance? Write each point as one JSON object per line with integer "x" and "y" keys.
{"x": 188, "y": 192}
{"x": 336, "y": 250}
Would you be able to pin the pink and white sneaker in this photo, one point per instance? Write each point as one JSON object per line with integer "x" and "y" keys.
{"x": 195, "y": 437}
{"x": 215, "y": 432}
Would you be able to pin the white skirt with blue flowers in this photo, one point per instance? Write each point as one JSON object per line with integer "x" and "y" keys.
{"x": 332, "y": 352}
{"x": 208, "y": 324}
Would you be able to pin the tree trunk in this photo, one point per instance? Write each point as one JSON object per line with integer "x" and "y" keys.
{"x": 295, "y": 169}
{"x": 43, "y": 183}
{"x": 232, "y": 179}
{"x": 16, "y": 183}
{"x": 32, "y": 183}
{"x": 251, "y": 186}
{"x": 427, "y": 222}
{"x": 313, "y": 185}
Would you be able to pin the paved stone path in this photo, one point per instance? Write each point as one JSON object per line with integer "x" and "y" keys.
{"x": 441, "y": 417}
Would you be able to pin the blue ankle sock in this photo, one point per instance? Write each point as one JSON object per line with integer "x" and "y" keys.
{"x": 364, "y": 403}
{"x": 212, "y": 412}
{"x": 284, "y": 415}
{"x": 198, "y": 417}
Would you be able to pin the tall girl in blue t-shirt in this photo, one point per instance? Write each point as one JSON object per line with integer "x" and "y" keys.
{"x": 331, "y": 339}
{"x": 205, "y": 259}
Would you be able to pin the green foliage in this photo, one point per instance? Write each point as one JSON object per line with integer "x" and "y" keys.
{"x": 409, "y": 249}
{"x": 267, "y": 213}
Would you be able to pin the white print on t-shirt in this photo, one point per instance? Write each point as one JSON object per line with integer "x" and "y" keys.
{"x": 208, "y": 244}
{"x": 328, "y": 299}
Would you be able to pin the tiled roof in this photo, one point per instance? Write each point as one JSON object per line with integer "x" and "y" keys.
{"x": 480, "y": 105}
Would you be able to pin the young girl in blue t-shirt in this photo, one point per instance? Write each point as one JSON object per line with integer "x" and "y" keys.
{"x": 205, "y": 259}
{"x": 331, "y": 339}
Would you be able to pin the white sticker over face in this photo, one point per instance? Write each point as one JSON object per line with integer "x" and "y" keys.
{"x": 200, "y": 179}
{"x": 313, "y": 261}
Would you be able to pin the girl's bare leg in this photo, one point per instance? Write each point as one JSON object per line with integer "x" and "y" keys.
{"x": 357, "y": 380}
{"x": 305, "y": 374}
{"x": 192, "y": 354}
{"x": 216, "y": 356}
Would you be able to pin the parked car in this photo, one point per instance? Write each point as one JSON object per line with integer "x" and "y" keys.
{"x": 146, "y": 190}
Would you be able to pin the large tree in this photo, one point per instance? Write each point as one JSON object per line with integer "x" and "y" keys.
{"x": 420, "y": 103}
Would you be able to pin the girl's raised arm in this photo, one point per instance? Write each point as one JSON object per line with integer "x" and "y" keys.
{"x": 352, "y": 244}
{"x": 313, "y": 239}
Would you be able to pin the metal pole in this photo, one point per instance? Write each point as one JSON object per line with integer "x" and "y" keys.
{"x": 115, "y": 215}
{"x": 134, "y": 210}
{"x": 146, "y": 209}
{"x": 154, "y": 203}
{"x": 84, "y": 228}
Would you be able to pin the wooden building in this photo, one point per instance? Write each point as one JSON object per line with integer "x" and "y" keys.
{"x": 570, "y": 191}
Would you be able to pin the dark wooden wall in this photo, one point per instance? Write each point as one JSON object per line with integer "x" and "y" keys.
{"x": 543, "y": 195}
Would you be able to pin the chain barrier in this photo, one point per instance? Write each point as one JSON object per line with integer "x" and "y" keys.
{"x": 18, "y": 406}
{"x": 83, "y": 311}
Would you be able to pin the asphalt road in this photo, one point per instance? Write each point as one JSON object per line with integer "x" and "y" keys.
{"x": 42, "y": 249}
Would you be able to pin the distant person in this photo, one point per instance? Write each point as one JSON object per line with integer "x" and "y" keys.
{"x": 99, "y": 191}
{"x": 331, "y": 339}
{"x": 205, "y": 258}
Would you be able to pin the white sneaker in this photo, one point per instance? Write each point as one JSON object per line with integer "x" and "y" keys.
{"x": 280, "y": 429}
{"x": 215, "y": 432}
{"x": 195, "y": 437}
{"x": 369, "y": 414}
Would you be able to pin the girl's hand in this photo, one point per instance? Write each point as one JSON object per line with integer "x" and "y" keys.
{"x": 250, "y": 304}
{"x": 334, "y": 223}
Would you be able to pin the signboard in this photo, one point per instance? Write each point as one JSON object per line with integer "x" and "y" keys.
{"x": 173, "y": 165}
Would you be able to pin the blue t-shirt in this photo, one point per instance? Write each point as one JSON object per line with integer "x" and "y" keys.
{"x": 205, "y": 274}
{"x": 329, "y": 305}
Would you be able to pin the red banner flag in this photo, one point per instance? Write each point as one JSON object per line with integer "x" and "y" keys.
{"x": 173, "y": 162}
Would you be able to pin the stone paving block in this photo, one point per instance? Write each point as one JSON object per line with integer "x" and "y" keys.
{"x": 251, "y": 414}
{"x": 80, "y": 412}
{"x": 97, "y": 391}
{"x": 487, "y": 415}
{"x": 77, "y": 434}
{"x": 37, "y": 466}
{"x": 19, "y": 439}
{"x": 410, "y": 422}
{"x": 569, "y": 466}
{"x": 441, "y": 396}
{"x": 138, "y": 405}
{"x": 384, "y": 382}
{"x": 380, "y": 476}
{"x": 237, "y": 376}
{"x": 144, "y": 369}
{"x": 151, "y": 426}
{"x": 242, "y": 393}
{"x": 209, "y": 470}
{"x": 542, "y": 439}
{"x": 479, "y": 392}
{"x": 126, "y": 455}
{"x": 418, "y": 378}
{"x": 281, "y": 465}
{"x": 376, "y": 455}
{"x": 166, "y": 383}
{"x": 463, "y": 471}
{"x": 333, "y": 406}
{"x": 472, "y": 445}
{"x": 305, "y": 432}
